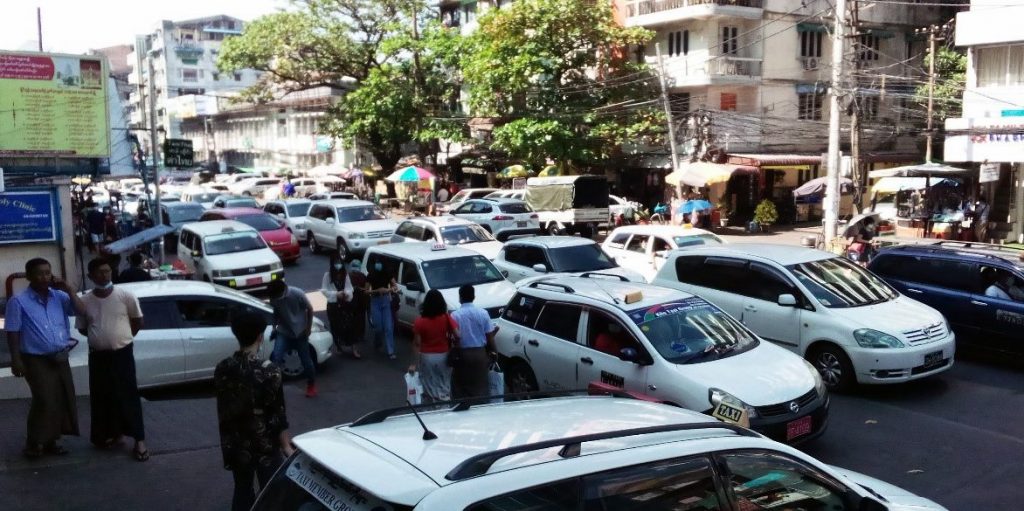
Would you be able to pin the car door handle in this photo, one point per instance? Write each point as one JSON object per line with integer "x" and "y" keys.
{"x": 197, "y": 337}
{"x": 750, "y": 308}
{"x": 533, "y": 342}
{"x": 587, "y": 360}
{"x": 976, "y": 302}
{"x": 915, "y": 291}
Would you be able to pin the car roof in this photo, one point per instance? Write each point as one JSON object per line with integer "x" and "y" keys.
{"x": 403, "y": 454}
{"x": 168, "y": 288}
{"x": 290, "y": 201}
{"x": 974, "y": 251}
{"x": 782, "y": 254}
{"x": 551, "y": 241}
{"x": 603, "y": 287}
{"x": 342, "y": 203}
{"x": 237, "y": 212}
{"x": 217, "y": 227}
{"x": 440, "y": 220}
{"x": 664, "y": 230}
{"x": 422, "y": 251}
{"x": 501, "y": 200}
{"x": 231, "y": 196}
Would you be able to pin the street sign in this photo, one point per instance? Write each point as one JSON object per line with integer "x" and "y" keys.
{"x": 989, "y": 172}
{"x": 178, "y": 153}
{"x": 27, "y": 217}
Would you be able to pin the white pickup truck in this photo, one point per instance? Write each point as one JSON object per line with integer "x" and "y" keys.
{"x": 569, "y": 204}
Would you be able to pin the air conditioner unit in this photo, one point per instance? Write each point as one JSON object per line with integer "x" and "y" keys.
{"x": 810, "y": 63}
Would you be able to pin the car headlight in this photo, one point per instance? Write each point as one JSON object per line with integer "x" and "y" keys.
{"x": 819, "y": 384}
{"x": 717, "y": 396}
{"x": 276, "y": 266}
{"x": 221, "y": 273}
{"x": 295, "y": 241}
{"x": 300, "y": 226}
{"x": 868, "y": 338}
{"x": 356, "y": 236}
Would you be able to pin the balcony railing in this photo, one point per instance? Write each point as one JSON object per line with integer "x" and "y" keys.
{"x": 642, "y": 7}
{"x": 735, "y": 66}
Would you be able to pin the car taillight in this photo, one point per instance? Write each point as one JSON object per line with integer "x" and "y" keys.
{"x": 501, "y": 217}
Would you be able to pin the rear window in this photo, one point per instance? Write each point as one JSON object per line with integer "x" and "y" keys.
{"x": 516, "y": 207}
{"x": 304, "y": 484}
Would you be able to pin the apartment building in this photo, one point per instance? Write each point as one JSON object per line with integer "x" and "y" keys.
{"x": 991, "y": 129}
{"x": 183, "y": 55}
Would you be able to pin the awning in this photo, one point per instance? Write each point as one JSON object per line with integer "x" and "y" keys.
{"x": 703, "y": 173}
{"x": 810, "y": 27}
{"x": 920, "y": 170}
{"x": 895, "y": 184}
{"x": 761, "y": 160}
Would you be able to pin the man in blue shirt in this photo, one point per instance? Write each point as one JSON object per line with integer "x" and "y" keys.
{"x": 39, "y": 336}
{"x": 476, "y": 344}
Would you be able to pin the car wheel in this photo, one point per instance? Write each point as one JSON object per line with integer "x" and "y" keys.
{"x": 553, "y": 229}
{"x": 519, "y": 379}
{"x": 834, "y": 367}
{"x": 314, "y": 247}
{"x": 342, "y": 249}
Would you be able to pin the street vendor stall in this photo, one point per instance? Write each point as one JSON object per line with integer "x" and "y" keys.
{"x": 414, "y": 186}
{"x": 140, "y": 241}
{"x": 934, "y": 209}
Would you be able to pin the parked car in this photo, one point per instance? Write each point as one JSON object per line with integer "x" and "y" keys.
{"x": 849, "y": 323}
{"x": 234, "y": 201}
{"x": 177, "y": 214}
{"x": 201, "y": 196}
{"x": 420, "y": 267}
{"x": 293, "y": 212}
{"x": 273, "y": 230}
{"x": 306, "y": 186}
{"x": 951, "y": 277}
{"x": 541, "y": 255}
{"x": 254, "y": 187}
{"x": 643, "y": 248}
{"x": 229, "y": 253}
{"x": 348, "y": 226}
{"x": 447, "y": 230}
{"x": 501, "y": 217}
{"x": 507, "y": 194}
{"x": 333, "y": 195}
{"x": 462, "y": 196}
{"x": 569, "y": 204}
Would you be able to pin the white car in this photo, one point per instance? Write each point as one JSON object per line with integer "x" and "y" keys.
{"x": 348, "y": 226}
{"x": 462, "y": 196}
{"x": 643, "y": 248}
{"x": 254, "y": 187}
{"x": 501, "y": 217}
{"x": 293, "y": 212}
{"x": 419, "y": 267}
{"x": 201, "y": 195}
{"x": 568, "y": 255}
{"x": 507, "y": 194}
{"x": 333, "y": 195}
{"x": 849, "y": 323}
{"x": 562, "y": 453}
{"x": 229, "y": 253}
{"x": 306, "y": 186}
{"x": 564, "y": 333}
{"x": 234, "y": 201}
{"x": 448, "y": 230}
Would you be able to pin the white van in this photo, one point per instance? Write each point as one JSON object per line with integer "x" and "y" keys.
{"x": 229, "y": 253}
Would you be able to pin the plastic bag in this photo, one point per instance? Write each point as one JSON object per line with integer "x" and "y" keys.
{"x": 495, "y": 382}
{"x": 413, "y": 388}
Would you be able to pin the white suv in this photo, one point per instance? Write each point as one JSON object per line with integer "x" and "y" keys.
{"x": 643, "y": 248}
{"x": 848, "y": 322}
{"x": 543, "y": 255}
{"x": 562, "y": 453}
{"x": 501, "y": 217}
{"x": 229, "y": 253}
{"x": 254, "y": 187}
{"x": 448, "y": 230}
{"x": 293, "y": 212}
{"x": 349, "y": 226}
{"x": 563, "y": 333}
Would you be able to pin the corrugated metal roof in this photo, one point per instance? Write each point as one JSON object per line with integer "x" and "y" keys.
{"x": 758, "y": 160}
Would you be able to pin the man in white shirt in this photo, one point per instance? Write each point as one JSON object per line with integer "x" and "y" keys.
{"x": 476, "y": 347}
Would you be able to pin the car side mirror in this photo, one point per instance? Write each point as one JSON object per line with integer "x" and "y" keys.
{"x": 540, "y": 268}
{"x": 330, "y": 220}
{"x": 504, "y": 273}
{"x": 414, "y": 286}
{"x": 196, "y": 254}
{"x": 787, "y": 300}
{"x": 628, "y": 354}
{"x": 280, "y": 215}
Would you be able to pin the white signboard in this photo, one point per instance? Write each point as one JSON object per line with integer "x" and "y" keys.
{"x": 989, "y": 172}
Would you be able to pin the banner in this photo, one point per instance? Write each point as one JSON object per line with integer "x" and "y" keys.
{"x": 53, "y": 105}
{"x": 27, "y": 217}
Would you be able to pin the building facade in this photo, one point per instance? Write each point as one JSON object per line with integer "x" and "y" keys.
{"x": 991, "y": 129}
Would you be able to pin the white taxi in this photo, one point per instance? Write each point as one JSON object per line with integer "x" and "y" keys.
{"x": 229, "y": 253}
{"x": 643, "y": 248}
{"x": 450, "y": 231}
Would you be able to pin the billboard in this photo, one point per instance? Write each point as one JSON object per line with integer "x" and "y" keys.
{"x": 53, "y": 105}
{"x": 27, "y": 217}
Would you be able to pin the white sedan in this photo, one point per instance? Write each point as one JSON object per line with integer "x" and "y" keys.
{"x": 643, "y": 248}
{"x": 186, "y": 332}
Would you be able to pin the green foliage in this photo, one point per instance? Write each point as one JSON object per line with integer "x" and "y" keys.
{"x": 533, "y": 66}
{"x": 950, "y": 80}
{"x": 765, "y": 213}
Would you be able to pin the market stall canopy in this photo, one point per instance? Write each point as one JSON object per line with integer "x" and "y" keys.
{"x": 514, "y": 171}
{"x": 130, "y": 243}
{"x": 703, "y": 173}
{"x": 409, "y": 174}
{"x": 550, "y": 171}
{"x": 694, "y": 205}
{"x": 817, "y": 187}
{"x": 327, "y": 170}
{"x": 895, "y": 184}
{"x": 920, "y": 170}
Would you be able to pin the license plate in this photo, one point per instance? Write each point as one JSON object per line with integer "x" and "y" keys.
{"x": 933, "y": 359}
{"x": 253, "y": 281}
{"x": 520, "y": 224}
{"x": 799, "y": 427}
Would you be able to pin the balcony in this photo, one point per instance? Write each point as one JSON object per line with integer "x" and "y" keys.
{"x": 739, "y": 67}
{"x": 719, "y": 70}
{"x": 648, "y": 13}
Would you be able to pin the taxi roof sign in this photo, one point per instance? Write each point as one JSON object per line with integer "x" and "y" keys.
{"x": 634, "y": 296}
{"x": 439, "y": 246}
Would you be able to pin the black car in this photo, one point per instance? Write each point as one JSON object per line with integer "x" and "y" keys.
{"x": 978, "y": 287}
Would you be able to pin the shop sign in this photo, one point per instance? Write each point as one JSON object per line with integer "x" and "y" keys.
{"x": 989, "y": 172}
{"x": 27, "y": 217}
{"x": 178, "y": 153}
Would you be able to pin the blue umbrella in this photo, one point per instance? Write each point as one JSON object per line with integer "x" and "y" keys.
{"x": 694, "y": 205}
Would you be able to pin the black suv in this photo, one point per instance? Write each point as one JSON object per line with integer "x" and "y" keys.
{"x": 968, "y": 283}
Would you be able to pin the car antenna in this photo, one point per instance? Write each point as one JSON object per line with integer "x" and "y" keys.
{"x": 427, "y": 434}
{"x": 599, "y": 286}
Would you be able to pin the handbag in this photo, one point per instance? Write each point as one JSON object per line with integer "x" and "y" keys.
{"x": 454, "y": 351}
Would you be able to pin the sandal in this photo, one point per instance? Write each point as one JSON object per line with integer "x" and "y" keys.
{"x": 140, "y": 455}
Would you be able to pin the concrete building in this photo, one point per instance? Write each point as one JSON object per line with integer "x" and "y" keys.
{"x": 991, "y": 129}
{"x": 184, "y": 62}
{"x": 117, "y": 62}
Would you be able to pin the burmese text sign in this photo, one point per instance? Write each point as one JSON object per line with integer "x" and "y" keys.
{"x": 27, "y": 217}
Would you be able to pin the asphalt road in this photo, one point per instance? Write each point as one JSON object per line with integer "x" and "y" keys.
{"x": 957, "y": 438}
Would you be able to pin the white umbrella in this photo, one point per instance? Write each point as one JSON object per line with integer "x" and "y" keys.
{"x": 920, "y": 170}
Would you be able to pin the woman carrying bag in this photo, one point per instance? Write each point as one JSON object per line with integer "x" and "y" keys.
{"x": 337, "y": 288}
{"x": 433, "y": 333}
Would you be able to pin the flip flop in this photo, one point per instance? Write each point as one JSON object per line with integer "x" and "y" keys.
{"x": 140, "y": 455}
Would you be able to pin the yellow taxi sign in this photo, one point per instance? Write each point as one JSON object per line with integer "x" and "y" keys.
{"x": 634, "y": 296}
{"x": 726, "y": 412}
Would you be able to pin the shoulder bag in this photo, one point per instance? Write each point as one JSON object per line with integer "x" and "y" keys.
{"x": 454, "y": 350}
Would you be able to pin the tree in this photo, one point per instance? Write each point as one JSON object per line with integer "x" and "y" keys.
{"x": 950, "y": 80}
{"x": 560, "y": 89}
{"x": 364, "y": 48}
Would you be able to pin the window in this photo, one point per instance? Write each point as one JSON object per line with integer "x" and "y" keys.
{"x": 580, "y": 258}
{"x": 456, "y": 272}
{"x": 216, "y": 76}
{"x": 526, "y": 256}
{"x": 189, "y": 75}
{"x": 869, "y": 45}
{"x": 238, "y": 76}
{"x": 607, "y": 335}
{"x": 619, "y": 240}
{"x": 679, "y": 103}
{"x": 198, "y": 313}
{"x": 661, "y": 245}
{"x": 559, "y": 320}
{"x": 712, "y": 272}
{"x": 763, "y": 480}
{"x": 1000, "y": 66}
{"x": 766, "y": 283}
{"x": 414, "y": 231}
{"x": 730, "y": 40}
{"x": 678, "y": 43}
{"x": 156, "y": 315}
{"x": 945, "y": 273}
{"x": 516, "y": 208}
{"x": 810, "y": 44}
{"x": 410, "y": 274}
{"x": 687, "y": 484}
{"x": 728, "y": 101}
{"x": 464, "y": 209}
{"x": 523, "y": 310}
{"x": 809, "y": 106}
{"x": 320, "y": 212}
{"x": 869, "y": 107}
{"x": 480, "y": 208}
{"x": 638, "y": 243}
{"x": 557, "y": 496}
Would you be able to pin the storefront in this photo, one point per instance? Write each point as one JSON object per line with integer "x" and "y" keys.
{"x": 733, "y": 189}
{"x": 780, "y": 174}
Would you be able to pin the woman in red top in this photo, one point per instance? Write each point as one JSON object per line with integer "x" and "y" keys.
{"x": 430, "y": 346}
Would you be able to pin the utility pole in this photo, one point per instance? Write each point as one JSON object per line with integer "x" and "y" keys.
{"x": 859, "y": 181}
{"x": 668, "y": 110}
{"x": 39, "y": 26}
{"x": 834, "y": 156}
{"x": 931, "y": 91}
{"x": 154, "y": 150}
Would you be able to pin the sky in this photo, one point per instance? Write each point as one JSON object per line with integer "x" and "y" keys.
{"x": 75, "y": 26}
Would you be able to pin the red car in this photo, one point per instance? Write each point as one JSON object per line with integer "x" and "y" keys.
{"x": 276, "y": 233}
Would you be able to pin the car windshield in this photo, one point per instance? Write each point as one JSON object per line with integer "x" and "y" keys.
{"x": 240, "y": 203}
{"x": 461, "y": 196}
{"x": 459, "y": 234}
{"x": 460, "y": 271}
{"x": 204, "y": 197}
{"x": 691, "y": 331}
{"x": 185, "y": 213}
{"x": 579, "y": 258}
{"x": 696, "y": 240}
{"x": 229, "y": 243}
{"x": 838, "y": 283}
{"x": 261, "y": 222}
{"x": 359, "y": 214}
{"x": 516, "y": 207}
{"x": 299, "y": 209}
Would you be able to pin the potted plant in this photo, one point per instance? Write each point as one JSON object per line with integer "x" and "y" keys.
{"x": 765, "y": 214}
